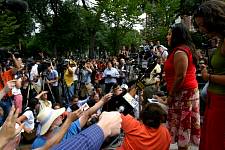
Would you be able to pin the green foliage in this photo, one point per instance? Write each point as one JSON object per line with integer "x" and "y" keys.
{"x": 7, "y": 30}
{"x": 160, "y": 15}
{"x": 187, "y": 7}
{"x": 66, "y": 26}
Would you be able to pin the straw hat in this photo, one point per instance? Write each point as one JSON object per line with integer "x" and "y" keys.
{"x": 47, "y": 116}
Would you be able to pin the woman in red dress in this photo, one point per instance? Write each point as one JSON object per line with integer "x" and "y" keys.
{"x": 182, "y": 86}
{"x": 210, "y": 19}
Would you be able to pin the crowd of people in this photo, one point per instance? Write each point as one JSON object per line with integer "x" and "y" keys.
{"x": 86, "y": 104}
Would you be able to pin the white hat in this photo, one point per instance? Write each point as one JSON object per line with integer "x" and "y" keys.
{"x": 47, "y": 116}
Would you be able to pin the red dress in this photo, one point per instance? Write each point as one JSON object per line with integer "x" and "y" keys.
{"x": 183, "y": 113}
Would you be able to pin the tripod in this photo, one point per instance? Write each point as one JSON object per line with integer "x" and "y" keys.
{"x": 44, "y": 82}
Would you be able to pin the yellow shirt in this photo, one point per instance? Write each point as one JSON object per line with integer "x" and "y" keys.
{"x": 68, "y": 77}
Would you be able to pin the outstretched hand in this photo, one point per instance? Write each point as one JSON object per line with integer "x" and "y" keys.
{"x": 8, "y": 130}
{"x": 107, "y": 97}
{"x": 110, "y": 122}
{"x": 75, "y": 115}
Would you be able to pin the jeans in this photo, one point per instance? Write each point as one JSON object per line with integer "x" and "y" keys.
{"x": 6, "y": 104}
{"x": 69, "y": 92}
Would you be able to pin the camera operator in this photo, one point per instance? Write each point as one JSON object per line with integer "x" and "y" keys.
{"x": 5, "y": 76}
{"x": 52, "y": 80}
{"x": 152, "y": 79}
{"x": 34, "y": 70}
{"x": 110, "y": 74}
{"x": 85, "y": 79}
{"x": 71, "y": 78}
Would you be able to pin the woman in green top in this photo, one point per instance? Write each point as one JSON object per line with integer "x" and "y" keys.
{"x": 210, "y": 19}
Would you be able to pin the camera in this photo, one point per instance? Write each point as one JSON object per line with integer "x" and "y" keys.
{"x": 108, "y": 76}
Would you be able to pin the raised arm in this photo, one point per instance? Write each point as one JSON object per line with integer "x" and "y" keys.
{"x": 92, "y": 138}
{"x": 57, "y": 138}
{"x": 10, "y": 84}
{"x": 40, "y": 94}
{"x": 87, "y": 114}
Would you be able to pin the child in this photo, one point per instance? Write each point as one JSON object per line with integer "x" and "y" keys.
{"x": 18, "y": 98}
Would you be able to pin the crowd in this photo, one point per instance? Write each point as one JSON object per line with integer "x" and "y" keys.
{"x": 86, "y": 104}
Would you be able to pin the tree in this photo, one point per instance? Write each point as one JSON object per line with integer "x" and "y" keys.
{"x": 7, "y": 30}
{"x": 160, "y": 15}
{"x": 120, "y": 15}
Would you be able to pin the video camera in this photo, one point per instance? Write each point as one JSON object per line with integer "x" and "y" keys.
{"x": 152, "y": 62}
{"x": 43, "y": 67}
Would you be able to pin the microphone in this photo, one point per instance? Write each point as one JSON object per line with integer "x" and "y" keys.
{"x": 123, "y": 103}
{"x": 121, "y": 109}
{"x": 16, "y": 5}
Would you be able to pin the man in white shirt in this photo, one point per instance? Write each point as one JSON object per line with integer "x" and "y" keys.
{"x": 110, "y": 75}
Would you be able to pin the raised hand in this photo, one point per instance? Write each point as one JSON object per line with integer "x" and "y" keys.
{"x": 107, "y": 97}
{"x": 8, "y": 130}
{"x": 75, "y": 115}
{"x": 110, "y": 122}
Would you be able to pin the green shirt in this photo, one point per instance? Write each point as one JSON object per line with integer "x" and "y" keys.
{"x": 218, "y": 64}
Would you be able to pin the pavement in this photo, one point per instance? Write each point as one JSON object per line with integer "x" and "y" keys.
{"x": 113, "y": 147}
{"x": 174, "y": 147}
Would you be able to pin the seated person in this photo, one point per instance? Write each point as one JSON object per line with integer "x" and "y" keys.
{"x": 43, "y": 99}
{"x": 149, "y": 133}
{"x": 51, "y": 120}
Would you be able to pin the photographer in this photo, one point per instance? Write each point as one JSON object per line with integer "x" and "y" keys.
{"x": 52, "y": 80}
{"x": 85, "y": 80}
{"x": 70, "y": 78}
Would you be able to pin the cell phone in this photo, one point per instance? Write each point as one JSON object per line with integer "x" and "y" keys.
{"x": 85, "y": 107}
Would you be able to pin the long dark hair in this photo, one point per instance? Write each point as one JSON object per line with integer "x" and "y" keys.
{"x": 31, "y": 105}
{"x": 213, "y": 14}
{"x": 182, "y": 36}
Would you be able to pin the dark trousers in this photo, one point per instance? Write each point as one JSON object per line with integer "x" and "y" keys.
{"x": 55, "y": 92}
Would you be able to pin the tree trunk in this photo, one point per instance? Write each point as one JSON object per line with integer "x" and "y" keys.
{"x": 92, "y": 45}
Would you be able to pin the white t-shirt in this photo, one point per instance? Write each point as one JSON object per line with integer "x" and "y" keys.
{"x": 16, "y": 91}
{"x": 34, "y": 71}
{"x": 75, "y": 77}
{"x": 29, "y": 123}
{"x": 164, "y": 54}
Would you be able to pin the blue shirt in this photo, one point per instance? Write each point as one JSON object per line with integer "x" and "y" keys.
{"x": 89, "y": 139}
{"x": 52, "y": 75}
{"x": 73, "y": 130}
{"x": 110, "y": 75}
{"x": 85, "y": 76}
